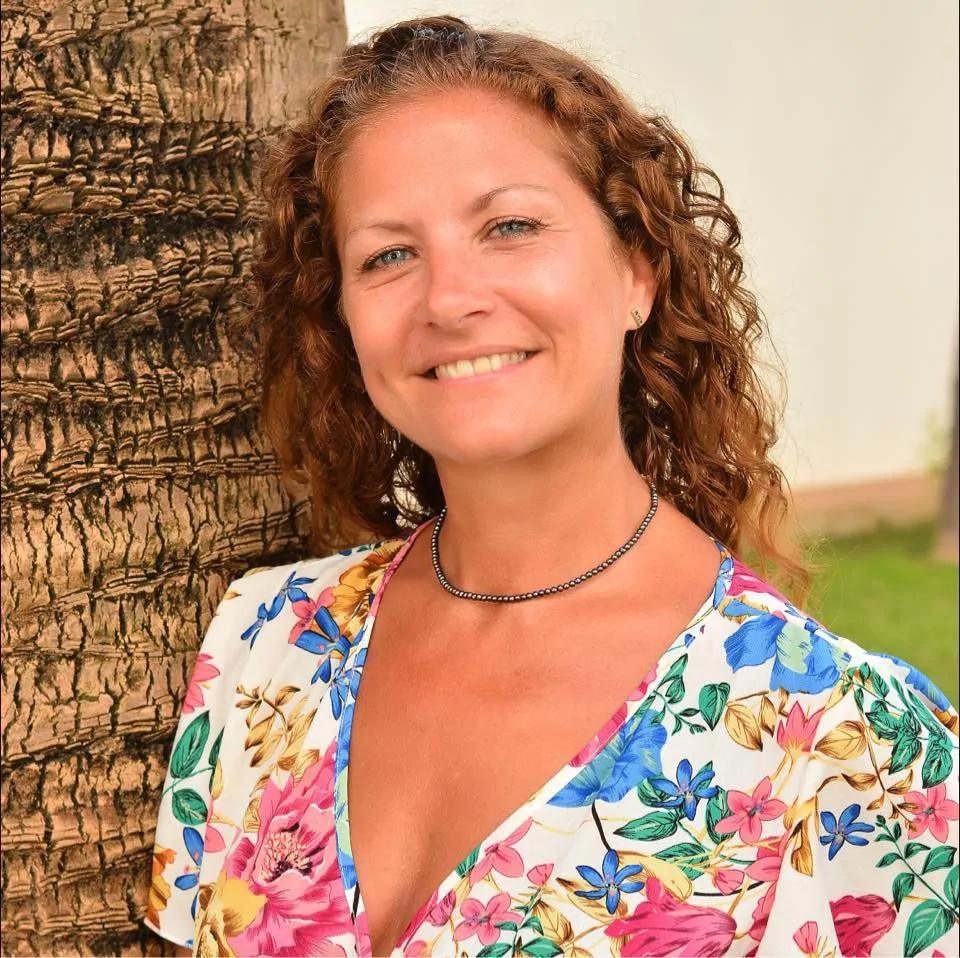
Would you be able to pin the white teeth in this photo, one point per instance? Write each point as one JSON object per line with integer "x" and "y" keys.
{"x": 482, "y": 364}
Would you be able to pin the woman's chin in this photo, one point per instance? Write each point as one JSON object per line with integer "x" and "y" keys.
{"x": 478, "y": 447}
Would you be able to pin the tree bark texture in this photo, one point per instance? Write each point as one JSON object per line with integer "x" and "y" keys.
{"x": 136, "y": 481}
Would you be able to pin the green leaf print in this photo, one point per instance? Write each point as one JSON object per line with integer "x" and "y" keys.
{"x": 882, "y": 722}
{"x": 690, "y": 857}
{"x": 879, "y": 683}
{"x": 938, "y": 763}
{"x": 497, "y": 950}
{"x": 951, "y": 885}
{"x": 902, "y": 886}
{"x": 650, "y": 827}
{"x": 649, "y": 794}
{"x": 676, "y": 671}
{"x": 190, "y": 746}
{"x": 214, "y": 755}
{"x": 675, "y": 691}
{"x": 712, "y": 699}
{"x": 189, "y": 807}
{"x": 531, "y": 921}
{"x": 928, "y": 922}
{"x": 941, "y": 857}
{"x": 468, "y": 863}
{"x": 905, "y": 751}
{"x": 717, "y": 808}
{"x": 914, "y": 847}
{"x": 888, "y": 859}
{"x": 215, "y": 749}
{"x": 541, "y": 948}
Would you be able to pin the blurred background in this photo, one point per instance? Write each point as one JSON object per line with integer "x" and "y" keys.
{"x": 834, "y": 129}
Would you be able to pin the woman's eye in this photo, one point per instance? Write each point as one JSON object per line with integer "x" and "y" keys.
{"x": 516, "y": 227}
{"x": 389, "y": 257}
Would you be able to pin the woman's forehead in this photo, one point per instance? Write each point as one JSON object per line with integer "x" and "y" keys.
{"x": 465, "y": 140}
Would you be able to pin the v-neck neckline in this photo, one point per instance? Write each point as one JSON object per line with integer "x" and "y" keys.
{"x": 542, "y": 795}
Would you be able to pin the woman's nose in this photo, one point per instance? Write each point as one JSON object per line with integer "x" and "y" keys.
{"x": 456, "y": 290}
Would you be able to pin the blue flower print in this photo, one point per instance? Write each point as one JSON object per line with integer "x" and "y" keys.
{"x": 843, "y": 831}
{"x": 612, "y": 882}
{"x": 345, "y": 685}
{"x": 629, "y": 758}
{"x": 193, "y": 842}
{"x": 324, "y": 638}
{"x": 688, "y": 790}
{"x": 290, "y": 591}
{"x": 803, "y": 660}
{"x": 919, "y": 681}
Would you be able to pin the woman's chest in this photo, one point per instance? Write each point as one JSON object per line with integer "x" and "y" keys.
{"x": 444, "y": 752}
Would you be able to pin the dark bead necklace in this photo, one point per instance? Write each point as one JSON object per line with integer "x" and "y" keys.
{"x": 537, "y": 593}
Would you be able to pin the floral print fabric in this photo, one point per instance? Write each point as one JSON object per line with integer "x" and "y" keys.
{"x": 768, "y": 789}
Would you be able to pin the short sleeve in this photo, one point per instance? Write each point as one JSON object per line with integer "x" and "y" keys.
{"x": 182, "y": 827}
{"x": 870, "y": 861}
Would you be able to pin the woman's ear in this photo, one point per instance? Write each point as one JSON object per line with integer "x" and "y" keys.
{"x": 642, "y": 288}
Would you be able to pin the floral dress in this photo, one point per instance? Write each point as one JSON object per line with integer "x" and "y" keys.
{"x": 767, "y": 789}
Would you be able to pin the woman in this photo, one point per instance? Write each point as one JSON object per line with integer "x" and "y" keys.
{"x": 493, "y": 291}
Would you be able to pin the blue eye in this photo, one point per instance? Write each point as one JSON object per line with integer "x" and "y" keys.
{"x": 389, "y": 257}
{"x": 516, "y": 227}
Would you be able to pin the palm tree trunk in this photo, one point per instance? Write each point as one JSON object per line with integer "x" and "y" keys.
{"x": 136, "y": 481}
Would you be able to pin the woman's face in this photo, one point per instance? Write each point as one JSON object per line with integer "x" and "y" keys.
{"x": 485, "y": 296}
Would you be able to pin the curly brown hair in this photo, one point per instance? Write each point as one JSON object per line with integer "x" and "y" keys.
{"x": 695, "y": 416}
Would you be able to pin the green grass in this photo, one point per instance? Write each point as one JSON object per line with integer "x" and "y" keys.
{"x": 884, "y": 592}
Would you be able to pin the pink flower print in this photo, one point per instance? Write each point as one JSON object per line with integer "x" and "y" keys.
{"x": 748, "y": 812}
{"x": 212, "y": 839}
{"x": 728, "y": 880}
{"x": 482, "y": 920}
{"x": 436, "y": 912}
{"x": 664, "y": 926}
{"x": 766, "y": 868}
{"x": 746, "y": 580}
{"x": 203, "y": 671}
{"x": 593, "y": 748}
{"x": 795, "y": 735}
{"x": 861, "y": 923}
{"x": 933, "y": 811}
{"x": 441, "y": 911}
{"x": 769, "y": 859}
{"x": 501, "y": 857}
{"x": 416, "y": 949}
{"x": 807, "y": 939}
{"x": 641, "y": 690}
{"x": 304, "y": 610}
{"x": 761, "y": 914}
{"x": 293, "y": 866}
{"x": 540, "y": 874}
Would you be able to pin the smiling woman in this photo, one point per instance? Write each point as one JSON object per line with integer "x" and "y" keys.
{"x": 505, "y": 333}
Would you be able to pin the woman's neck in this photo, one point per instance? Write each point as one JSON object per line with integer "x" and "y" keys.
{"x": 526, "y": 525}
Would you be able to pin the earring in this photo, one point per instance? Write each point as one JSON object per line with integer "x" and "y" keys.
{"x": 637, "y": 318}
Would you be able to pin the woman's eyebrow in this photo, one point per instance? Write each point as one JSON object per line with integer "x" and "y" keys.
{"x": 482, "y": 202}
{"x": 477, "y": 206}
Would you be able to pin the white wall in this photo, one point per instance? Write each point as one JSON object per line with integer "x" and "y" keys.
{"x": 834, "y": 126}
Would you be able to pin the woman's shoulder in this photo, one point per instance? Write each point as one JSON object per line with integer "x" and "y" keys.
{"x": 769, "y": 641}
{"x": 308, "y": 603}
{"x": 359, "y": 568}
